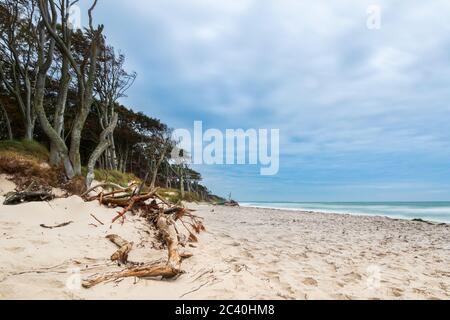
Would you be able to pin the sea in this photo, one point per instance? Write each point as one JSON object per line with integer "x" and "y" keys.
{"x": 428, "y": 211}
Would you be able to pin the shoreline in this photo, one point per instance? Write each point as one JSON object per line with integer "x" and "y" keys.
{"x": 355, "y": 214}
{"x": 245, "y": 253}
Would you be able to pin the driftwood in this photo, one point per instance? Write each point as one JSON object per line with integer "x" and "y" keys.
{"x": 170, "y": 237}
{"x": 105, "y": 185}
{"x": 170, "y": 269}
{"x": 133, "y": 201}
{"x": 125, "y": 247}
{"x": 173, "y": 210}
{"x": 96, "y": 219}
{"x": 421, "y": 220}
{"x": 231, "y": 203}
{"x": 27, "y": 196}
{"x": 164, "y": 217}
{"x": 163, "y": 200}
{"x": 139, "y": 272}
{"x": 65, "y": 224}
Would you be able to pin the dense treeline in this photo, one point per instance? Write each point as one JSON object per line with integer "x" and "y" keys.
{"x": 61, "y": 86}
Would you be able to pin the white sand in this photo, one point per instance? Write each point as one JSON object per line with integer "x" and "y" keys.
{"x": 245, "y": 254}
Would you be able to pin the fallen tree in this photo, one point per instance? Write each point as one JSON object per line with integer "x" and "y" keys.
{"x": 15, "y": 198}
{"x": 163, "y": 216}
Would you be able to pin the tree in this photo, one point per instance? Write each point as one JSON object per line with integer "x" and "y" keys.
{"x": 64, "y": 79}
{"x": 18, "y": 42}
{"x": 180, "y": 167}
{"x": 85, "y": 71}
{"x": 111, "y": 84}
{"x": 101, "y": 147}
{"x": 160, "y": 153}
{"x": 5, "y": 120}
{"x": 71, "y": 82}
{"x": 46, "y": 49}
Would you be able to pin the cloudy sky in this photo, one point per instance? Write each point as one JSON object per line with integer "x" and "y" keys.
{"x": 363, "y": 114}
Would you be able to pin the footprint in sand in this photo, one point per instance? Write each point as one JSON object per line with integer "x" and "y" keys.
{"x": 231, "y": 260}
{"x": 310, "y": 282}
{"x": 15, "y": 249}
{"x": 420, "y": 291}
{"x": 341, "y": 296}
{"x": 352, "y": 277}
{"x": 397, "y": 292}
{"x": 288, "y": 291}
{"x": 8, "y": 226}
{"x": 270, "y": 274}
{"x": 56, "y": 284}
{"x": 247, "y": 254}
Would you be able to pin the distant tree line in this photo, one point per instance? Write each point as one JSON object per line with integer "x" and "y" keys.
{"x": 61, "y": 86}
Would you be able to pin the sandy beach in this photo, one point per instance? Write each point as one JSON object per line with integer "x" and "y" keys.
{"x": 246, "y": 253}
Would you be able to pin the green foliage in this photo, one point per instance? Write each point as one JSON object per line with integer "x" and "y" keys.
{"x": 115, "y": 176}
{"x": 192, "y": 197}
{"x": 174, "y": 196}
{"x": 26, "y": 147}
{"x": 216, "y": 199}
{"x": 171, "y": 195}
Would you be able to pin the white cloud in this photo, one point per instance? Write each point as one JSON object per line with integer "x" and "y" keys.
{"x": 310, "y": 68}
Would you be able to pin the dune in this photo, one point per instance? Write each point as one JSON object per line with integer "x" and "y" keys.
{"x": 246, "y": 253}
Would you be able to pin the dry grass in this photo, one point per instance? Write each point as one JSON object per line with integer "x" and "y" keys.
{"x": 26, "y": 148}
{"x": 27, "y": 161}
{"x": 24, "y": 169}
{"x": 174, "y": 196}
{"x": 115, "y": 176}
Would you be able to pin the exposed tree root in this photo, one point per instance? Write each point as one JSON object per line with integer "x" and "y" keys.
{"x": 164, "y": 217}
{"x": 121, "y": 255}
{"x": 169, "y": 270}
{"x": 139, "y": 272}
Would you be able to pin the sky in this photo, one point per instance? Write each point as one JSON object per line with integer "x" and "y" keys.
{"x": 363, "y": 113}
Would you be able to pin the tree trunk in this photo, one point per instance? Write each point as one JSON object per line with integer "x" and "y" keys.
{"x": 29, "y": 130}
{"x": 120, "y": 164}
{"x": 30, "y": 120}
{"x": 167, "y": 177}
{"x": 86, "y": 85}
{"x": 155, "y": 172}
{"x": 188, "y": 184}
{"x": 100, "y": 149}
{"x": 8, "y": 123}
{"x": 182, "y": 185}
{"x": 55, "y": 157}
{"x": 125, "y": 161}
{"x": 113, "y": 152}
{"x": 58, "y": 123}
{"x": 75, "y": 141}
{"x": 15, "y": 89}
{"x": 55, "y": 139}
{"x": 44, "y": 62}
{"x": 101, "y": 163}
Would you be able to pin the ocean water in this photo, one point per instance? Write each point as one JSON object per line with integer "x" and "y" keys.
{"x": 430, "y": 211}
